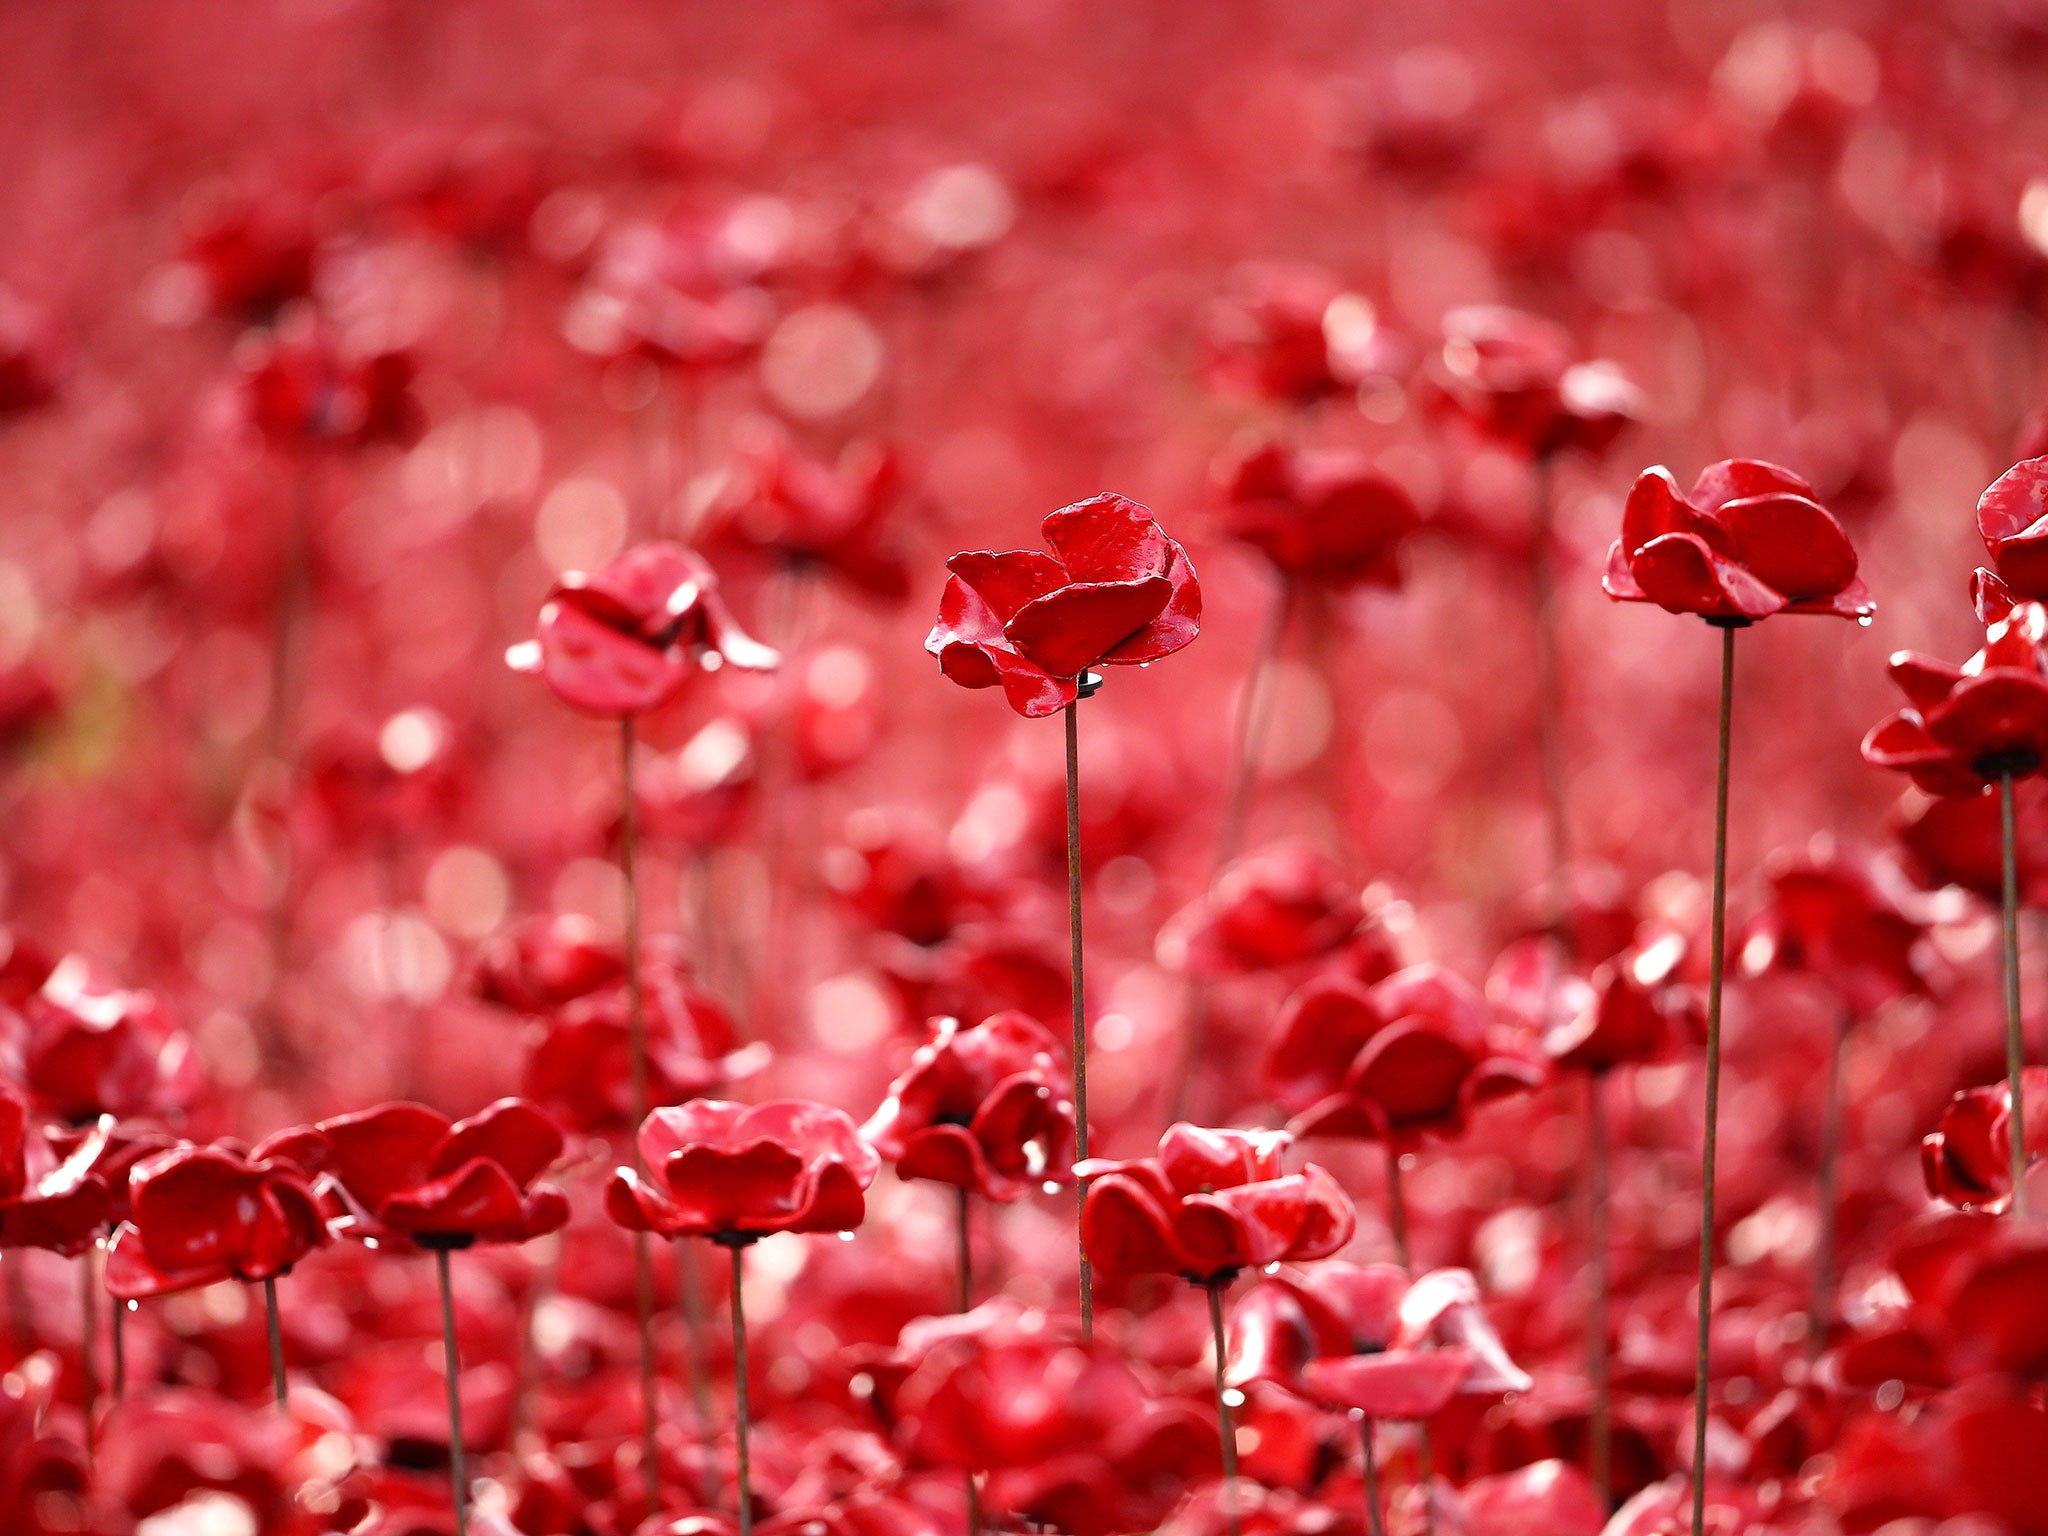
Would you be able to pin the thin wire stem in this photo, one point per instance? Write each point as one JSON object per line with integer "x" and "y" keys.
{"x": 1223, "y": 1425}
{"x": 1397, "y": 1206}
{"x": 118, "y": 1330}
{"x": 1375, "y": 1523}
{"x": 2015, "y": 1044}
{"x": 1080, "y": 1007}
{"x": 88, "y": 1337}
{"x": 458, "y": 1478}
{"x": 743, "y": 1494}
{"x": 1716, "y": 956}
{"x": 636, "y": 1026}
{"x": 1600, "y": 1162}
{"x": 275, "y": 1326}
{"x": 963, "y": 1233}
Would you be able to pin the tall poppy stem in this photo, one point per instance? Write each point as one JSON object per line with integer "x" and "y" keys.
{"x": 118, "y": 1331}
{"x": 743, "y": 1492}
{"x": 1375, "y": 1523}
{"x": 88, "y": 1331}
{"x": 2015, "y": 1046}
{"x": 1397, "y": 1206}
{"x": 636, "y": 1027}
{"x": 457, "y": 1476}
{"x": 1252, "y": 711}
{"x": 1599, "y": 1161}
{"x": 275, "y": 1327}
{"x": 1223, "y": 1425}
{"x": 1820, "y": 1307}
{"x": 1716, "y": 955}
{"x": 966, "y": 1299}
{"x": 1080, "y": 1007}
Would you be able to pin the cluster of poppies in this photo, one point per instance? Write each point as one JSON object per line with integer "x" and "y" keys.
{"x": 924, "y": 769}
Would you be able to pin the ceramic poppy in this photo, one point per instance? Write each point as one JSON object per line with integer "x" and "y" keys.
{"x": 1114, "y": 591}
{"x": 624, "y": 639}
{"x": 1964, "y": 727}
{"x": 1322, "y": 515}
{"x": 1748, "y": 541}
{"x": 198, "y": 1215}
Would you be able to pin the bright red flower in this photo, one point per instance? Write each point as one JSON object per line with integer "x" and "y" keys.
{"x": 1371, "y": 1338}
{"x": 987, "y": 1108}
{"x": 1397, "y": 1060}
{"x": 1115, "y": 591}
{"x": 1846, "y": 920}
{"x": 1965, "y": 726}
{"x": 623, "y": 640}
{"x": 1967, "y": 1159}
{"x": 1320, "y": 514}
{"x": 48, "y": 1198}
{"x": 2012, "y": 517}
{"x": 1748, "y": 542}
{"x": 1513, "y": 375}
{"x": 204, "y": 1214}
{"x": 403, "y": 1173}
{"x": 1212, "y": 1202}
{"x": 737, "y": 1172}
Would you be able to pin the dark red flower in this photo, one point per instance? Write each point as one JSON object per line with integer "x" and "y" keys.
{"x": 1115, "y": 591}
{"x": 986, "y": 1107}
{"x": 812, "y": 514}
{"x": 1320, "y": 514}
{"x": 536, "y": 966}
{"x": 1513, "y": 375}
{"x": 1212, "y": 1202}
{"x": 405, "y": 1173}
{"x": 1963, "y": 727}
{"x": 737, "y": 1172}
{"x": 198, "y": 1215}
{"x": 1960, "y": 842}
{"x": 1849, "y": 921}
{"x": 1967, "y": 1159}
{"x": 49, "y": 1198}
{"x": 1372, "y": 1339}
{"x": 581, "y": 1071}
{"x": 623, "y": 640}
{"x": 1749, "y": 541}
{"x": 31, "y": 356}
{"x": 302, "y": 388}
{"x": 2012, "y": 517}
{"x": 1280, "y": 906}
{"x": 88, "y": 1050}
{"x": 1397, "y": 1060}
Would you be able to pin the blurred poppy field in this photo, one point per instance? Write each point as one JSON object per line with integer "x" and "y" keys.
{"x": 936, "y": 767}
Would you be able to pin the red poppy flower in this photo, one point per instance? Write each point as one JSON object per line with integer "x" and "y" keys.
{"x": 1960, "y": 842}
{"x": 1750, "y": 541}
{"x": 44, "y": 1477}
{"x": 1405, "y": 1057}
{"x": 2012, "y": 517}
{"x": 1513, "y": 376}
{"x": 1371, "y": 1338}
{"x": 49, "y": 1199}
{"x": 1963, "y": 727}
{"x": 400, "y": 780}
{"x": 737, "y": 1172}
{"x": 1212, "y": 1202}
{"x": 1115, "y": 591}
{"x": 537, "y": 966}
{"x": 1289, "y": 332}
{"x": 1846, "y": 920}
{"x": 301, "y": 388}
{"x": 403, "y": 1172}
{"x": 89, "y": 1050}
{"x": 986, "y": 1108}
{"x": 1967, "y": 1159}
{"x": 581, "y": 1071}
{"x": 1281, "y": 906}
{"x": 204, "y": 1214}
{"x": 31, "y": 356}
{"x": 818, "y": 515}
{"x": 1324, "y": 515}
{"x": 623, "y": 640}
{"x": 1002, "y": 1387}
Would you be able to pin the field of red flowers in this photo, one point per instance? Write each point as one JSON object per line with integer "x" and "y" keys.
{"x": 943, "y": 767}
